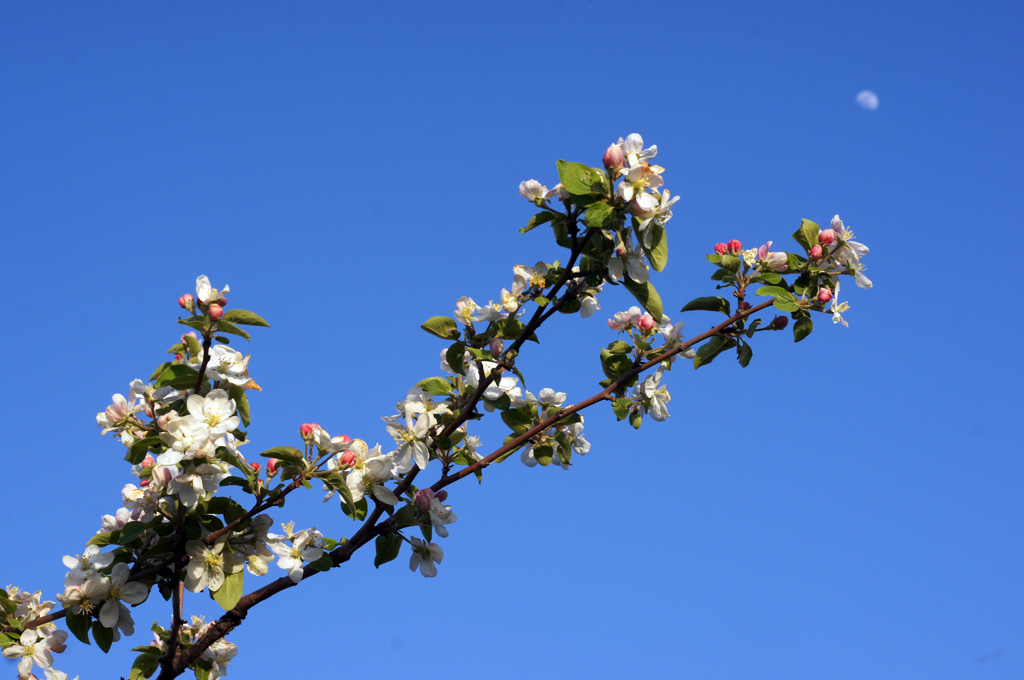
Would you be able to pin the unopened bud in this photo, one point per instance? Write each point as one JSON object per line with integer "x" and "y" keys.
{"x": 423, "y": 497}
{"x": 780, "y": 322}
{"x": 824, "y": 295}
{"x": 178, "y": 357}
{"x": 734, "y": 247}
{"x": 306, "y": 430}
{"x": 441, "y": 495}
{"x": 778, "y": 261}
{"x": 744, "y": 306}
{"x": 148, "y": 461}
{"x": 721, "y": 248}
{"x": 645, "y": 323}
{"x": 144, "y": 483}
{"x": 496, "y": 347}
{"x": 613, "y": 157}
{"x": 216, "y": 312}
{"x": 188, "y": 302}
{"x": 815, "y": 252}
{"x": 273, "y": 465}
{"x": 223, "y": 302}
{"x": 826, "y": 236}
{"x": 348, "y": 458}
{"x": 163, "y": 421}
{"x": 255, "y": 467}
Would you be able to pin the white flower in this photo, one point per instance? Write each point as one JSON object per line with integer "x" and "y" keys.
{"x": 34, "y": 647}
{"x": 548, "y": 397}
{"x": 204, "y": 479}
{"x": 412, "y": 443}
{"x": 216, "y": 410}
{"x": 506, "y": 384}
{"x": 113, "y": 614}
{"x": 186, "y": 438}
{"x": 117, "y": 413}
{"x": 440, "y": 515}
{"x": 207, "y": 293}
{"x": 209, "y": 565}
{"x": 426, "y": 557}
{"x": 303, "y": 549}
{"x": 629, "y": 262}
{"x": 91, "y": 559}
{"x": 847, "y": 255}
{"x": 633, "y": 149}
{"x": 227, "y": 364}
{"x": 532, "y": 190}
{"x": 368, "y": 475}
{"x": 650, "y": 209}
{"x": 653, "y": 396}
{"x": 838, "y": 308}
{"x": 525, "y": 278}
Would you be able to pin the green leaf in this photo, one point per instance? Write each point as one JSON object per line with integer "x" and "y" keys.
{"x": 356, "y": 511}
{"x": 104, "y": 637}
{"x": 543, "y": 454}
{"x": 456, "y": 357}
{"x": 615, "y": 365}
{"x": 772, "y": 278}
{"x": 599, "y": 215}
{"x": 105, "y": 538}
{"x": 436, "y": 386}
{"x": 324, "y": 563}
{"x": 201, "y": 670}
{"x": 442, "y": 326}
{"x": 195, "y": 348}
{"x": 731, "y": 263}
{"x": 78, "y": 624}
{"x": 510, "y": 329}
{"x": 786, "y": 305}
{"x": 537, "y": 220}
{"x": 519, "y": 420}
{"x": 228, "y": 508}
{"x": 578, "y": 179}
{"x": 131, "y": 531}
{"x": 145, "y": 665}
{"x": 228, "y": 327}
{"x": 803, "y": 327}
{"x": 405, "y": 517}
{"x": 192, "y": 322}
{"x": 244, "y": 317}
{"x": 159, "y": 370}
{"x": 753, "y": 327}
{"x": 657, "y": 254}
{"x": 228, "y": 595}
{"x": 744, "y": 354}
{"x": 711, "y": 303}
{"x": 636, "y": 419}
{"x": 620, "y": 407}
{"x": 807, "y": 234}
{"x": 711, "y": 349}
{"x": 388, "y": 546}
{"x": 241, "y": 403}
{"x": 140, "y": 448}
{"x": 286, "y": 453}
{"x": 178, "y": 376}
{"x": 647, "y": 296}
{"x": 619, "y": 347}
{"x": 784, "y": 300}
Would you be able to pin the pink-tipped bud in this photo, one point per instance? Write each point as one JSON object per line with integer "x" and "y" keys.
{"x": 144, "y": 483}
{"x": 780, "y": 322}
{"x": 827, "y": 236}
{"x": 273, "y": 465}
{"x": 148, "y": 461}
{"x": 255, "y": 467}
{"x": 824, "y": 295}
{"x": 497, "y": 346}
{"x": 216, "y": 311}
{"x": 423, "y": 498}
{"x": 188, "y": 302}
{"x": 744, "y": 306}
{"x": 306, "y": 430}
{"x": 721, "y": 248}
{"x": 348, "y": 459}
{"x": 613, "y": 157}
{"x": 441, "y": 495}
{"x": 178, "y": 357}
{"x": 163, "y": 421}
{"x": 735, "y": 247}
{"x": 815, "y": 252}
{"x": 645, "y": 323}
{"x": 778, "y": 261}
{"x": 190, "y": 334}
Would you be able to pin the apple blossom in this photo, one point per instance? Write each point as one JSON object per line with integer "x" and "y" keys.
{"x": 425, "y": 557}
{"x": 207, "y": 293}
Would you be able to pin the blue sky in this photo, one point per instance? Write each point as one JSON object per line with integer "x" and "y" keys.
{"x": 849, "y": 507}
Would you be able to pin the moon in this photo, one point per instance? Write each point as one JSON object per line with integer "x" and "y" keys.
{"x": 867, "y": 100}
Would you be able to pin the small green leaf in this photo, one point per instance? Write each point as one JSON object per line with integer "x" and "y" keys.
{"x": 78, "y": 624}
{"x": 178, "y": 376}
{"x": 145, "y": 664}
{"x": 543, "y": 454}
{"x": 519, "y": 420}
{"x": 803, "y": 327}
{"x": 130, "y": 532}
{"x": 647, "y": 296}
{"x": 537, "y": 220}
{"x": 244, "y": 317}
{"x": 456, "y": 357}
{"x": 636, "y": 419}
{"x": 388, "y": 546}
{"x": 619, "y": 347}
{"x": 807, "y": 234}
{"x": 578, "y": 179}
{"x": 442, "y": 326}
{"x": 731, "y": 263}
{"x": 620, "y": 407}
{"x": 657, "y": 254}
{"x": 105, "y": 538}
{"x": 436, "y": 386}
{"x": 241, "y": 403}
{"x": 140, "y": 448}
{"x": 159, "y": 370}
{"x": 599, "y": 215}
{"x": 324, "y": 563}
{"x": 228, "y": 595}
{"x": 744, "y": 354}
{"x": 228, "y": 327}
{"x": 711, "y": 303}
{"x": 775, "y": 291}
{"x": 711, "y": 349}
{"x": 104, "y": 637}
{"x": 286, "y": 453}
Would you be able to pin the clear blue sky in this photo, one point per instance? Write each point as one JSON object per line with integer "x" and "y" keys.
{"x": 850, "y": 507}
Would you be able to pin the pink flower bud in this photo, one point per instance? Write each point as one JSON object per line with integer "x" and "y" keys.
{"x": 735, "y": 247}
{"x": 255, "y": 467}
{"x": 496, "y": 347}
{"x": 144, "y": 483}
{"x": 273, "y": 465}
{"x": 216, "y": 311}
{"x": 348, "y": 458}
{"x": 186, "y": 301}
{"x": 763, "y": 251}
{"x": 645, "y": 323}
{"x": 780, "y": 322}
{"x": 744, "y": 306}
{"x": 826, "y": 237}
{"x": 824, "y": 295}
{"x": 163, "y": 421}
{"x": 148, "y": 461}
{"x": 778, "y": 261}
{"x": 441, "y": 495}
{"x": 422, "y": 500}
{"x": 178, "y": 357}
{"x": 190, "y": 334}
{"x": 720, "y": 248}
{"x": 815, "y": 252}
{"x": 613, "y": 157}
{"x": 306, "y": 430}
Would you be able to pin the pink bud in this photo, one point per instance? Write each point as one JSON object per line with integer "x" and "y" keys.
{"x": 441, "y": 495}
{"x": 306, "y": 430}
{"x": 720, "y": 248}
{"x": 422, "y": 500}
{"x": 148, "y": 461}
{"x": 497, "y": 346}
{"x": 348, "y": 458}
{"x": 144, "y": 483}
{"x": 778, "y": 261}
{"x": 273, "y": 465}
{"x": 613, "y": 157}
{"x": 744, "y": 306}
{"x": 824, "y": 295}
{"x": 186, "y": 301}
{"x": 645, "y": 323}
{"x": 163, "y": 421}
{"x": 826, "y": 237}
{"x": 734, "y": 246}
{"x": 255, "y": 467}
{"x": 815, "y": 252}
{"x": 216, "y": 311}
{"x": 763, "y": 251}
{"x": 190, "y": 334}
{"x": 178, "y": 357}
{"x": 780, "y": 322}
